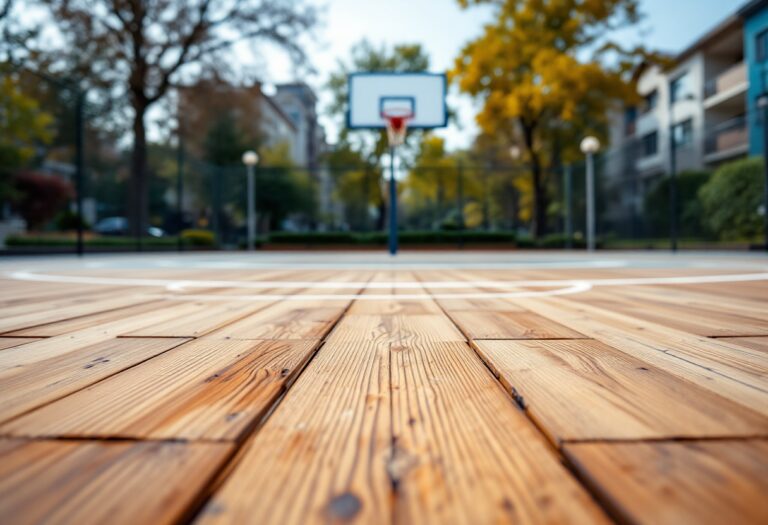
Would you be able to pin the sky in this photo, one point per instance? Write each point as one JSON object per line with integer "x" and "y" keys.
{"x": 443, "y": 28}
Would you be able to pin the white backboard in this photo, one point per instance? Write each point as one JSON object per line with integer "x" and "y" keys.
{"x": 369, "y": 93}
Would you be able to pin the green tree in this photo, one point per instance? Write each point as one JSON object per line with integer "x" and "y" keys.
{"x": 23, "y": 128}
{"x": 541, "y": 70}
{"x": 371, "y": 145}
{"x": 135, "y": 51}
{"x": 732, "y": 200}
{"x": 689, "y": 207}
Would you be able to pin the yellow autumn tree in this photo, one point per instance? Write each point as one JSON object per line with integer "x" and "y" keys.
{"x": 547, "y": 73}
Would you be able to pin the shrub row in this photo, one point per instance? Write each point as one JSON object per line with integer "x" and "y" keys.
{"x": 380, "y": 238}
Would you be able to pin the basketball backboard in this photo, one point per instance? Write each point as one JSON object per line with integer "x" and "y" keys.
{"x": 420, "y": 97}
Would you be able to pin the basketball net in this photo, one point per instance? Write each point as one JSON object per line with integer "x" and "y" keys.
{"x": 397, "y": 125}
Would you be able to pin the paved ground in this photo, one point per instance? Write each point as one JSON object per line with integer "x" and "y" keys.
{"x": 353, "y": 388}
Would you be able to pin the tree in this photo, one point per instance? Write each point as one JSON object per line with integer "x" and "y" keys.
{"x": 536, "y": 87}
{"x": 23, "y": 127}
{"x": 657, "y": 203}
{"x": 733, "y": 198}
{"x": 371, "y": 145}
{"x": 144, "y": 49}
{"x": 40, "y": 197}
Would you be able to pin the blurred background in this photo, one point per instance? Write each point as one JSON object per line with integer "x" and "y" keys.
{"x": 123, "y": 124}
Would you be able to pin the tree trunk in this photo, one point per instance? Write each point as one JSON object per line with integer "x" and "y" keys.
{"x": 540, "y": 200}
{"x": 138, "y": 205}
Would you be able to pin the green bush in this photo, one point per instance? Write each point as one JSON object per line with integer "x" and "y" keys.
{"x": 311, "y": 238}
{"x": 68, "y": 220}
{"x": 559, "y": 240}
{"x": 50, "y": 241}
{"x": 732, "y": 198}
{"x": 202, "y": 238}
{"x": 689, "y": 219}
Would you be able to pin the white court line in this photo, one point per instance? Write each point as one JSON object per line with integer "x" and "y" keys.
{"x": 558, "y": 287}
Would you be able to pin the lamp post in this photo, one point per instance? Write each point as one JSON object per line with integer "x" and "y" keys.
{"x": 250, "y": 159}
{"x": 762, "y": 103}
{"x": 589, "y": 146}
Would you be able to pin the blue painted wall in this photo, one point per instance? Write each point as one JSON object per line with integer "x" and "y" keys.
{"x": 757, "y": 73}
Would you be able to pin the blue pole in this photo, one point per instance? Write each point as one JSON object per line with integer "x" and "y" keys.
{"x": 392, "y": 203}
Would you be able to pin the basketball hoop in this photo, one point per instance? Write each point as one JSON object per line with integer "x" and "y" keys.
{"x": 397, "y": 124}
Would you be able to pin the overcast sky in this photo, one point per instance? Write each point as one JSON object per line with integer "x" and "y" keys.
{"x": 443, "y": 28}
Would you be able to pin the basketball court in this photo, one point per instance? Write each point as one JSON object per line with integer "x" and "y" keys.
{"x": 357, "y": 387}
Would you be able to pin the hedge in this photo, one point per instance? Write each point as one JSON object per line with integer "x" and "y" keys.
{"x": 380, "y": 238}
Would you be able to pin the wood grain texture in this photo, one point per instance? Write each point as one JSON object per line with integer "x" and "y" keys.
{"x": 326, "y": 445}
{"x": 510, "y": 325}
{"x": 45, "y": 314}
{"x": 753, "y": 343}
{"x": 285, "y": 320}
{"x": 395, "y": 329}
{"x": 704, "y": 482}
{"x": 465, "y": 453}
{"x": 584, "y": 389}
{"x": 60, "y": 482}
{"x": 28, "y": 386}
{"x": 10, "y": 342}
{"x": 731, "y": 371}
{"x": 206, "y": 319}
{"x": 202, "y": 390}
{"x": 89, "y": 321}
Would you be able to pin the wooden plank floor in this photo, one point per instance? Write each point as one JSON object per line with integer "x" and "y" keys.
{"x": 384, "y": 395}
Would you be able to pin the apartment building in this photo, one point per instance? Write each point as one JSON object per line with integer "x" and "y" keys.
{"x": 299, "y": 102}
{"x": 694, "y": 114}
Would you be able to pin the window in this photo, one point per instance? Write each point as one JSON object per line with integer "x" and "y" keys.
{"x": 683, "y": 133}
{"x": 679, "y": 89}
{"x": 650, "y": 144}
{"x": 630, "y": 120}
{"x": 650, "y": 101}
{"x": 761, "y": 46}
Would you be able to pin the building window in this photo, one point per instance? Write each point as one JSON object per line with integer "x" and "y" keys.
{"x": 761, "y": 46}
{"x": 678, "y": 88}
{"x": 630, "y": 121}
{"x": 650, "y": 101}
{"x": 650, "y": 144}
{"x": 683, "y": 133}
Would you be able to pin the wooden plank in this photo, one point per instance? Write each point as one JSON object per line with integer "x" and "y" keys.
{"x": 753, "y": 343}
{"x": 395, "y": 329}
{"x": 685, "y": 317}
{"x": 205, "y": 389}
{"x": 510, "y": 325}
{"x": 584, "y": 389}
{"x": 28, "y": 386}
{"x": 59, "y": 482}
{"x": 395, "y": 306}
{"x": 731, "y": 371}
{"x": 702, "y": 482}
{"x": 56, "y": 346}
{"x": 50, "y": 315}
{"x": 326, "y": 446}
{"x": 465, "y": 453}
{"x": 284, "y": 320}
{"x": 89, "y": 321}
{"x": 10, "y": 342}
{"x": 207, "y": 318}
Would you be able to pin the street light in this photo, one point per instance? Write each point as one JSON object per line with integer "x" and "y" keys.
{"x": 589, "y": 146}
{"x": 250, "y": 159}
{"x": 514, "y": 152}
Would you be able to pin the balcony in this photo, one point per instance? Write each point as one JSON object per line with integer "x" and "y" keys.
{"x": 728, "y": 83}
{"x": 727, "y": 139}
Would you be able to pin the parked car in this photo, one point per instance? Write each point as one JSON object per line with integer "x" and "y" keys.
{"x": 119, "y": 226}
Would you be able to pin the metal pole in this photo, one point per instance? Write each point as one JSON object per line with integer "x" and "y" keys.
{"x": 79, "y": 165}
{"x": 765, "y": 160}
{"x": 568, "y": 207}
{"x": 590, "y": 202}
{"x": 251, "y": 209}
{"x": 180, "y": 189}
{"x": 672, "y": 188}
{"x": 392, "y": 203}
